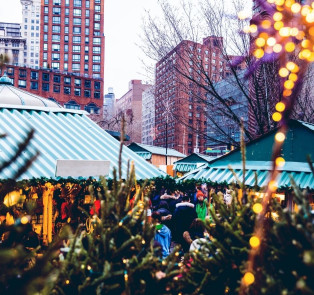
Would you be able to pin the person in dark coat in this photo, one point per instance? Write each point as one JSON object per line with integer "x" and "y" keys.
{"x": 183, "y": 217}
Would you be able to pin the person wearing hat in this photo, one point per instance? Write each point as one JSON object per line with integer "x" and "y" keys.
{"x": 201, "y": 208}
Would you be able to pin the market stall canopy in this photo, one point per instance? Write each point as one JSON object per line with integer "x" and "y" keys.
{"x": 298, "y": 144}
{"x": 60, "y": 134}
{"x": 191, "y": 162}
{"x": 146, "y": 151}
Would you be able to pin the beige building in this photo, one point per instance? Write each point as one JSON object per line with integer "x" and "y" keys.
{"x": 12, "y": 43}
{"x": 131, "y": 105}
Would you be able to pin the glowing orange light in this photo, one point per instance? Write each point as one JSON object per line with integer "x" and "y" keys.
{"x": 266, "y": 24}
{"x": 253, "y": 28}
{"x": 277, "y": 48}
{"x": 305, "y": 10}
{"x": 257, "y": 208}
{"x": 24, "y": 220}
{"x": 271, "y": 41}
{"x": 259, "y": 53}
{"x": 293, "y": 77}
{"x": 280, "y": 162}
{"x": 260, "y": 42}
{"x": 276, "y": 116}
{"x": 306, "y": 43}
{"x": 248, "y": 278}
{"x": 289, "y": 3}
{"x": 288, "y": 84}
{"x": 278, "y": 25}
{"x": 294, "y": 32}
{"x": 280, "y": 106}
{"x": 286, "y": 92}
{"x": 295, "y": 8}
{"x": 67, "y": 282}
{"x": 277, "y": 16}
{"x": 283, "y": 72}
{"x": 292, "y": 67}
{"x": 273, "y": 185}
{"x": 311, "y": 31}
{"x": 284, "y": 32}
{"x": 306, "y": 53}
{"x": 279, "y": 2}
{"x": 289, "y": 46}
{"x": 310, "y": 17}
{"x": 280, "y": 136}
{"x": 255, "y": 242}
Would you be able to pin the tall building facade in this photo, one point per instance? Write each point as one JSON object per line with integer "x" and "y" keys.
{"x": 130, "y": 104}
{"x": 12, "y": 43}
{"x": 148, "y": 116}
{"x": 180, "y": 118}
{"x": 30, "y": 28}
{"x": 109, "y": 104}
{"x": 72, "y": 36}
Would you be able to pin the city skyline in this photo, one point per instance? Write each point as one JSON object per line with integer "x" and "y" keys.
{"x": 122, "y": 55}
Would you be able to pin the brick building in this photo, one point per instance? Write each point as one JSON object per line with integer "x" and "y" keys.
{"x": 180, "y": 118}
{"x": 70, "y": 90}
{"x": 148, "y": 116}
{"x": 131, "y": 105}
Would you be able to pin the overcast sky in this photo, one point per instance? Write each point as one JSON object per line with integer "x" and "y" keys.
{"x": 122, "y": 27}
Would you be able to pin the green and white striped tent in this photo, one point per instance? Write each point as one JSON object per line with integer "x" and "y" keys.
{"x": 60, "y": 134}
{"x": 298, "y": 144}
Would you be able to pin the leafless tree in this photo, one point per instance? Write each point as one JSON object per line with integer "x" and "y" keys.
{"x": 191, "y": 21}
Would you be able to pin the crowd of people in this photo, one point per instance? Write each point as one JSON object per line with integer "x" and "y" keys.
{"x": 178, "y": 217}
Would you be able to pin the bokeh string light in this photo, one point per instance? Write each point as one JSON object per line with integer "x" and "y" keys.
{"x": 286, "y": 35}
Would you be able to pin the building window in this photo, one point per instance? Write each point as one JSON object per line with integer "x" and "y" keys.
{"x": 56, "y": 2}
{"x": 87, "y": 83}
{"x": 87, "y": 13}
{"x": 45, "y": 37}
{"x": 66, "y": 90}
{"x": 45, "y": 77}
{"x": 86, "y": 58}
{"x": 66, "y": 20}
{"x": 96, "y": 40}
{"x": 45, "y": 28}
{"x": 76, "y": 67}
{"x": 96, "y": 58}
{"x": 77, "y": 21}
{"x": 77, "y": 82}
{"x": 97, "y": 17}
{"x": 67, "y": 80}
{"x": 97, "y": 26}
{"x": 56, "y": 88}
{"x": 46, "y": 9}
{"x": 55, "y": 56}
{"x": 66, "y": 48}
{"x": 97, "y": 85}
{"x": 56, "y": 78}
{"x": 86, "y": 31}
{"x": 87, "y": 3}
{"x": 76, "y": 39}
{"x": 22, "y": 83}
{"x": 56, "y": 19}
{"x": 97, "y": 8}
{"x": 66, "y": 38}
{"x": 77, "y": 3}
{"x": 76, "y": 57}
{"x": 85, "y": 67}
{"x": 92, "y": 108}
{"x": 66, "y": 57}
{"x": 76, "y": 30}
{"x": 96, "y": 68}
{"x": 46, "y": 19}
{"x": 55, "y": 65}
{"x": 87, "y": 93}
{"x": 34, "y": 85}
{"x": 96, "y": 49}
{"x": 96, "y": 94}
{"x": 67, "y": 2}
{"x": 86, "y": 40}
{"x": 72, "y": 105}
{"x": 77, "y": 12}
{"x": 55, "y": 38}
{"x": 77, "y": 91}
{"x": 76, "y": 48}
{"x": 55, "y": 29}
{"x": 45, "y": 86}
{"x": 22, "y": 73}
{"x": 34, "y": 75}
{"x": 56, "y": 10}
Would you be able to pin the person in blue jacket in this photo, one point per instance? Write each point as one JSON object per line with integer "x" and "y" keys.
{"x": 162, "y": 234}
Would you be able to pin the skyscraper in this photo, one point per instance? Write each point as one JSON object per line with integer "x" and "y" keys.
{"x": 31, "y": 31}
{"x": 72, "y": 38}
